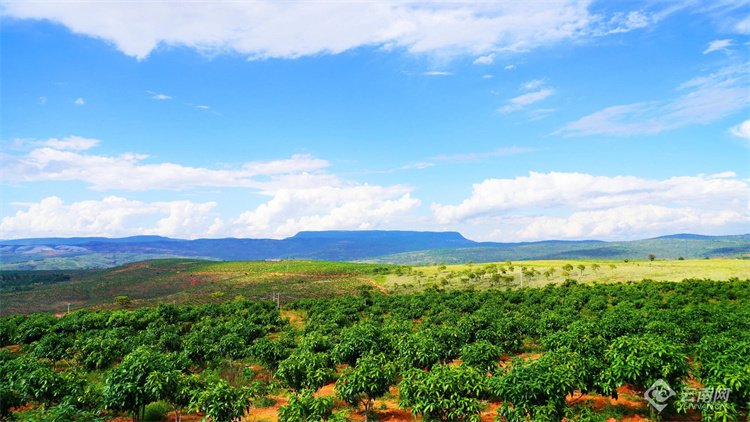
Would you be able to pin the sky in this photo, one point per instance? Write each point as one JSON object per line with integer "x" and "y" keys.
{"x": 504, "y": 121}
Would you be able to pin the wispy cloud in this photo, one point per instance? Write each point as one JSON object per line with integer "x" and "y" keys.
{"x": 157, "y": 96}
{"x": 510, "y": 67}
{"x": 437, "y": 73}
{"x": 520, "y": 102}
{"x": 476, "y": 156}
{"x": 488, "y": 59}
{"x": 79, "y": 101}
{"x": 42, "y": 100}
{"x": 718, "y": 45}
{"x": 707, "y": 99}
{"x": 202, "y": 107}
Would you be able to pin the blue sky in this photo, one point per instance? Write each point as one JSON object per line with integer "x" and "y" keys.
{"x": 505, "y": 121}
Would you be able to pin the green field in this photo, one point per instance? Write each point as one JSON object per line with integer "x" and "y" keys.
{"x": 479, "y": 277}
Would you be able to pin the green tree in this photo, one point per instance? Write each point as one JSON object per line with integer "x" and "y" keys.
{"x": 447, "y": 393}
{"x": 122, "y": 301}
{"x": 222, "y": 403}
{"x": 371, "y": 378}
{"x": 651, "y": 257}
{"x": 53, "y": 346}
{"x": 306, "y": 370}
{"x": 125, "y": 386}
{"x": 536, "y": 388}
{"x": 581, "y": 267}
{"x": 304, "y": 407}
{"x": 567, "y": 267}
{"x": 174, "y": 387}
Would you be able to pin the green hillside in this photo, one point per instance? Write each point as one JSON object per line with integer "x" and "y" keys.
{"x": 190, "y": 282}
{"x": 663, "y": 248}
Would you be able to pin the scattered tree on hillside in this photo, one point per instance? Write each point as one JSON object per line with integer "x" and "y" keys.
{"x": 651, "y": 257}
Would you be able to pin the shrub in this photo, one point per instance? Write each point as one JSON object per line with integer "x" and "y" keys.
{"x": 156, "y": 411}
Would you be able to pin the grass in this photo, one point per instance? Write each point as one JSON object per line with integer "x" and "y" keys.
{"x": 191, "y": 281}
{"x": 457, "y": 276}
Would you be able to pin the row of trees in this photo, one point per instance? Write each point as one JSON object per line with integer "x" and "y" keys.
{"x": 592, "y": 339}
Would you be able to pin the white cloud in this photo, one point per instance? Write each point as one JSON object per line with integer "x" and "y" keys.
{"x": 56, "y": 162}
{"x": 520, "y": 102}
{"x": 488, "y": 59}
{"x": 71, "y": 143}
{"x": 622, "y": 22}
{"x": 113, "y": 216}
{"x": 202, "y": 107}
{"x": 265, "y": 29}
{"x": 576, "y": 191}
{"x": 475, "y": 156}
{"x": 631, "y": 222}
{"x": 510, "y": 67}
{"x": 724, "y": 175}
{"x": 718, "y": 45}
{"x": 486, "y": 76}
{"x": 532, "y": 84}
{"x": 161, "y": 97}
{"x": 708, "y": 98}
{"x": 436, "y": 73}
{"x": 742, "y": 130}
{"x": 79, "y": 101}
{"x": 325, "y": 208}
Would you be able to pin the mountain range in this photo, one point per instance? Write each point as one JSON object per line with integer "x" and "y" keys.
{"x": 402, "y": 247}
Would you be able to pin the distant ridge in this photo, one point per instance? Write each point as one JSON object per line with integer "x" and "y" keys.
{"x": 388, "y": 246}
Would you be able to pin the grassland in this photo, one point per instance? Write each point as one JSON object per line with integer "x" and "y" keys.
{"x": 459, "y": 276}
{"x": 189, "y": 281}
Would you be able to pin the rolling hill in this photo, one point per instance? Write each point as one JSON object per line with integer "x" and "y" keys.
{"x": 402, "y": 247}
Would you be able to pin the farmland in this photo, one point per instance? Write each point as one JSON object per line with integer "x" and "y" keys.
{"x": 382, "y": 342}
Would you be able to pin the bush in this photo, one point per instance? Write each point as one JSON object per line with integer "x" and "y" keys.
{"x": 156, "y": 411}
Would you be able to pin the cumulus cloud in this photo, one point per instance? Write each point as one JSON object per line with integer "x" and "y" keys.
{"x": 495, "y": 198}
{"x": 706, "y": 99}
{"x": 718, "y": 45}
{"x": 266, "y": 29}
{"x": 622, "y": 222}
{"x": 57, "y": 161}
{"x": 326, "y": 207}
{"x": 742, "y": 130}
{"x": 112, "y": 216}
